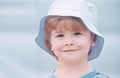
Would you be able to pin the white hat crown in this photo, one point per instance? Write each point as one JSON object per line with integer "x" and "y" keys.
{"x": 74, "y": 8}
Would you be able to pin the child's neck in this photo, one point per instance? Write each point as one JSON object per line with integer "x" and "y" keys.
{"x": 72, "y": 70}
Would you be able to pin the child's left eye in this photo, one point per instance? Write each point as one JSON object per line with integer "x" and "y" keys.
{"x": 77, "y": 33}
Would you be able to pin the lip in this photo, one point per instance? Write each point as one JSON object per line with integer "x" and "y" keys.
{"x": 73, "y": 50}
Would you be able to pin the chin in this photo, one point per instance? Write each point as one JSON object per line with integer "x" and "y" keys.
{"x": 72, "y": 59}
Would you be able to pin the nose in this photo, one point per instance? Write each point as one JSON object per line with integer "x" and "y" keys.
{"x": 69, "y": 42}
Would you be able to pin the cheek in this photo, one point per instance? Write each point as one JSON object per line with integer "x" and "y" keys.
{"x": 55, "y": 45}
{"x": 84, "y": 44}
{"x": 84, "y": 41}
{"x": 56, "y": 48}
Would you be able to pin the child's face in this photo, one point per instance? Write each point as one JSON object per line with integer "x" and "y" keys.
{"x": 68, "y": 38}
{"x": 70, "y": 45}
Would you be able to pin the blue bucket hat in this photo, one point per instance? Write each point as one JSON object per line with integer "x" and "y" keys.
{"x": 82, "y": 9}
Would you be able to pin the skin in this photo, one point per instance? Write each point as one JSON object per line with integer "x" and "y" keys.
{"x": 71, "y": 49}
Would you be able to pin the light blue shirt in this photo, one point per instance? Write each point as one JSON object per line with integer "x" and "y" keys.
{"x": 92, "y": 74}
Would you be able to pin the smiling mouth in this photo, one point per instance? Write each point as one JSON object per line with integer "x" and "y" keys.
{"x": 70, "y": 50}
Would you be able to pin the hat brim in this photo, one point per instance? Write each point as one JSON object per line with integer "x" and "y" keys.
{"x": 95, "y": 50}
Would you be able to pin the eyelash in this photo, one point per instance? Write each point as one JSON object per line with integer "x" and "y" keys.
{"x": 60, "y": 35}
{"x": 77, "y": 33}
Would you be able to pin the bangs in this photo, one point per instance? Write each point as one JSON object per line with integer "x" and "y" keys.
{"x": 63, "y": 23}
{"x": 68, "y": 24}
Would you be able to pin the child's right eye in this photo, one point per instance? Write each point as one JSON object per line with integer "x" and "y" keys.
{"x": 60, "y": 35}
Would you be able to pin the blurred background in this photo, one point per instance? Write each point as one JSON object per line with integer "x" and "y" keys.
{"x": 20, "y": 57}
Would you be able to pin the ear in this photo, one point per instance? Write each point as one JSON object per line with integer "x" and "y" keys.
{"x": 93, "y": 43}
{"x": 93, "y": 39}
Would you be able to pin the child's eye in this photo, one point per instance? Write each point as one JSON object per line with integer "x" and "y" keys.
{"x": 60, "y": 35}
{"x": 77, "y": 33}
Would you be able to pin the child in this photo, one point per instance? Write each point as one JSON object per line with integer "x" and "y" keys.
{"x": 68, "y": 33}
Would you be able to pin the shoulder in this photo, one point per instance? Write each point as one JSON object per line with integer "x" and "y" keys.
{"x": 99, "y": 75}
